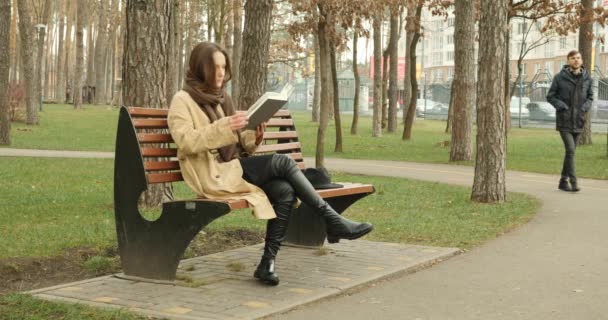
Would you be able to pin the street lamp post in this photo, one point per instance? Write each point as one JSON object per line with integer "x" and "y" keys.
{"x": 41, "y": 28}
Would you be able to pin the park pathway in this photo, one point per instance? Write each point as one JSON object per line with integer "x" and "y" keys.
{"x": 553, "y": 268}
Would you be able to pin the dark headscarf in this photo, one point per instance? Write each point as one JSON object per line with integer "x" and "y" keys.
{"x": 199, "y": 79}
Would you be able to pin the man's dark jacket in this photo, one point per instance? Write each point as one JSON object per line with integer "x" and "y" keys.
{"x": 572, "y": 96}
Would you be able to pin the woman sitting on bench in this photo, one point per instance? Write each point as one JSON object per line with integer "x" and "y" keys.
{"x": 213, "y": 149}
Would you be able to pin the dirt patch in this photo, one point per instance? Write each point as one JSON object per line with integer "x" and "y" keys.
{"x": 22, "y": 274}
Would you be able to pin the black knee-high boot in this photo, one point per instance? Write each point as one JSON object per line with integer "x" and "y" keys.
{"x": 282, "y": 196}
{"x": 338, "y": 227}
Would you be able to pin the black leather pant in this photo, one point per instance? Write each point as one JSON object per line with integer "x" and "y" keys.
{"x": 281, "y": 179}
{"x": 570, "y": 140}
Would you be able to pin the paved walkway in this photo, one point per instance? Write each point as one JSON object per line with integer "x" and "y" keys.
{"x": 552, "y": 268}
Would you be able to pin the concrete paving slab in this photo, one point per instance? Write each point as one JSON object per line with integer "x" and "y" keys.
{"x": 221, "y": 286}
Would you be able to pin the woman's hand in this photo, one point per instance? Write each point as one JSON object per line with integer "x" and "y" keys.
{"x": 259, "y": 133}
{"x": 238, "y": 120}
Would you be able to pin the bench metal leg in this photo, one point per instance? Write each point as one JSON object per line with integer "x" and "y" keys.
{"x": 153, "y": 249}
{"x": 307, "y": 228}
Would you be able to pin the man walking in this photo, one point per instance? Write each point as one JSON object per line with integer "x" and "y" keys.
{"x": 571, "y": 94}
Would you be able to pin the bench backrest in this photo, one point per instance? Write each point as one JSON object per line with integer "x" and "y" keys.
{"x": 159, "y": 152}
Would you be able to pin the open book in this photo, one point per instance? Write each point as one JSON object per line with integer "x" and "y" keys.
{"x": 267, "y": 105}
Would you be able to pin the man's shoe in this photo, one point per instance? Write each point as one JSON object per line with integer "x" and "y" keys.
{"x": 574, "y": 186}
{"x": 265, "y": 272}
{"x": 564, "y": 185}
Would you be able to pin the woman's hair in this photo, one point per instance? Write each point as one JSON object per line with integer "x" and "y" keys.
{"x": 572, "y": 53}
{"x": 201, "y": 65}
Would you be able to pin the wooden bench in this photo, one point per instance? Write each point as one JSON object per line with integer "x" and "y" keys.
{"x": 145, "y": 154}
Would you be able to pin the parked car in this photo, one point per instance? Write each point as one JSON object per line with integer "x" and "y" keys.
{"x": 437, "y": 112}
{"x": 515, "y": 109}
{"x": 600, "y": 111}
{"x": 541, "y": 111}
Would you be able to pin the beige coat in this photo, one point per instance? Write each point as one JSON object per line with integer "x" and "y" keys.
{"x": 197, "y": 142}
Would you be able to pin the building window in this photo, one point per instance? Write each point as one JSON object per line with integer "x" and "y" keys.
{"x": 536, "y": 67}
{"x": 450, "y": 22}
{"x": 450, "y": 56}
{"x": 522, "y": 27}
{"x": 438, "y": 43}
{"x": 440, "y": 75}
{"x": 437, "y": 59}
{"x": 450, "y": 73}
{"x": 549, "y": 66}
{"x": 563, "y": 43}
{"x": 450, "y": 39}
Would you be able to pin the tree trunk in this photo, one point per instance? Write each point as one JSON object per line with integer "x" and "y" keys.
{"x": 14, "y": 44}
{"x": 325, "y": 93}
{"x": 507, "y": 81}
{"x": 101, "y": 55}
{"x": 40, "y": 55}
{"x": 5, "y": 30}
{"x": 256, "y": 44}
{"x": 414, "y": 26}
{"x": 59, "y": 77}
{"x": 464, "y": 81}
{"x": 336, "y": 98}
{"x": 377, "y": 113}
{"x": 316, "y": 98}
{"x": 384, "y": 88}
{"x": 585, "y": 45}
{"x": 90, "y": 59}
{"x": 450, "y": 122}
{"x": 79, "y": 69}
{"x": 172, "y": 59}
{"x": 355, "y": 124}
{"x": 407, "y": 79}
{"x": 26, "y": 31}
{"x": 237, "y": 49}
{"x": 144, "y": 70}
{"x": 393, "y": 88}
{"x": 489, "y": 183}
{"x": 67, "y": 78}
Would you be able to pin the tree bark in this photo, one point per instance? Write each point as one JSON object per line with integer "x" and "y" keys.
{"x": 44, "y": 20}
{"x": 450, "y": 122}
{"x": 144, "y": 70}
{"x": 79, "y": 69}
{"x": 585, "y": 44}
{"x": 101, "y": 55}
{"x": 256, "y": 44}
{"x": 90, "y": 58}
{"x": 377, "y": 113}
{"x": 407, "y": 80}
{"x": 385, "y": 63}
{"x": 393, "y": 89}
{"x": 316, "y": 98}
{"x": 67, "y": 78}
{"x": 489, "y": 182}
{"x": 27, "y": 43}
{"x": 5, "y": 29}
{"x": 464, "y": 81}
{"x": 237, "y": 48}
{"x": 325, "y": 93}
{"x": 172, "y": 59}
{"x": 354, "y": 126}
{"x": 414, "y": 26}
{"x": 59, "y": 77}
{"x": 14, "y": 45}
{"x": 336, "y": 98}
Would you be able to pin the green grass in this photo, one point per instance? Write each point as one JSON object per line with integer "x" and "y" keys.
{"x": 92, "y": 128}
{"x": 57, "y": 204}
{"x": 529, "y": 149}
{"x": 24, "y": 307}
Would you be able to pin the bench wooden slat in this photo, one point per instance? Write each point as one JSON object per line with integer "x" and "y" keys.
{"x": 154, "y": 138}
{"x": 282, "y": 113}
{"x": 150, "y": 123}
{"x": 349, "y": 188}
{"x": 278, "y": 147}
{"x": 164, "y": 177}
{"x": 158, "y": 152}
{"x": 301, "y": 165}
{"x": 148, "y": 112}
{"x": 274, "y": 135}
{"x": 161, "y": 165}
{"x": 274, "y": 122}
